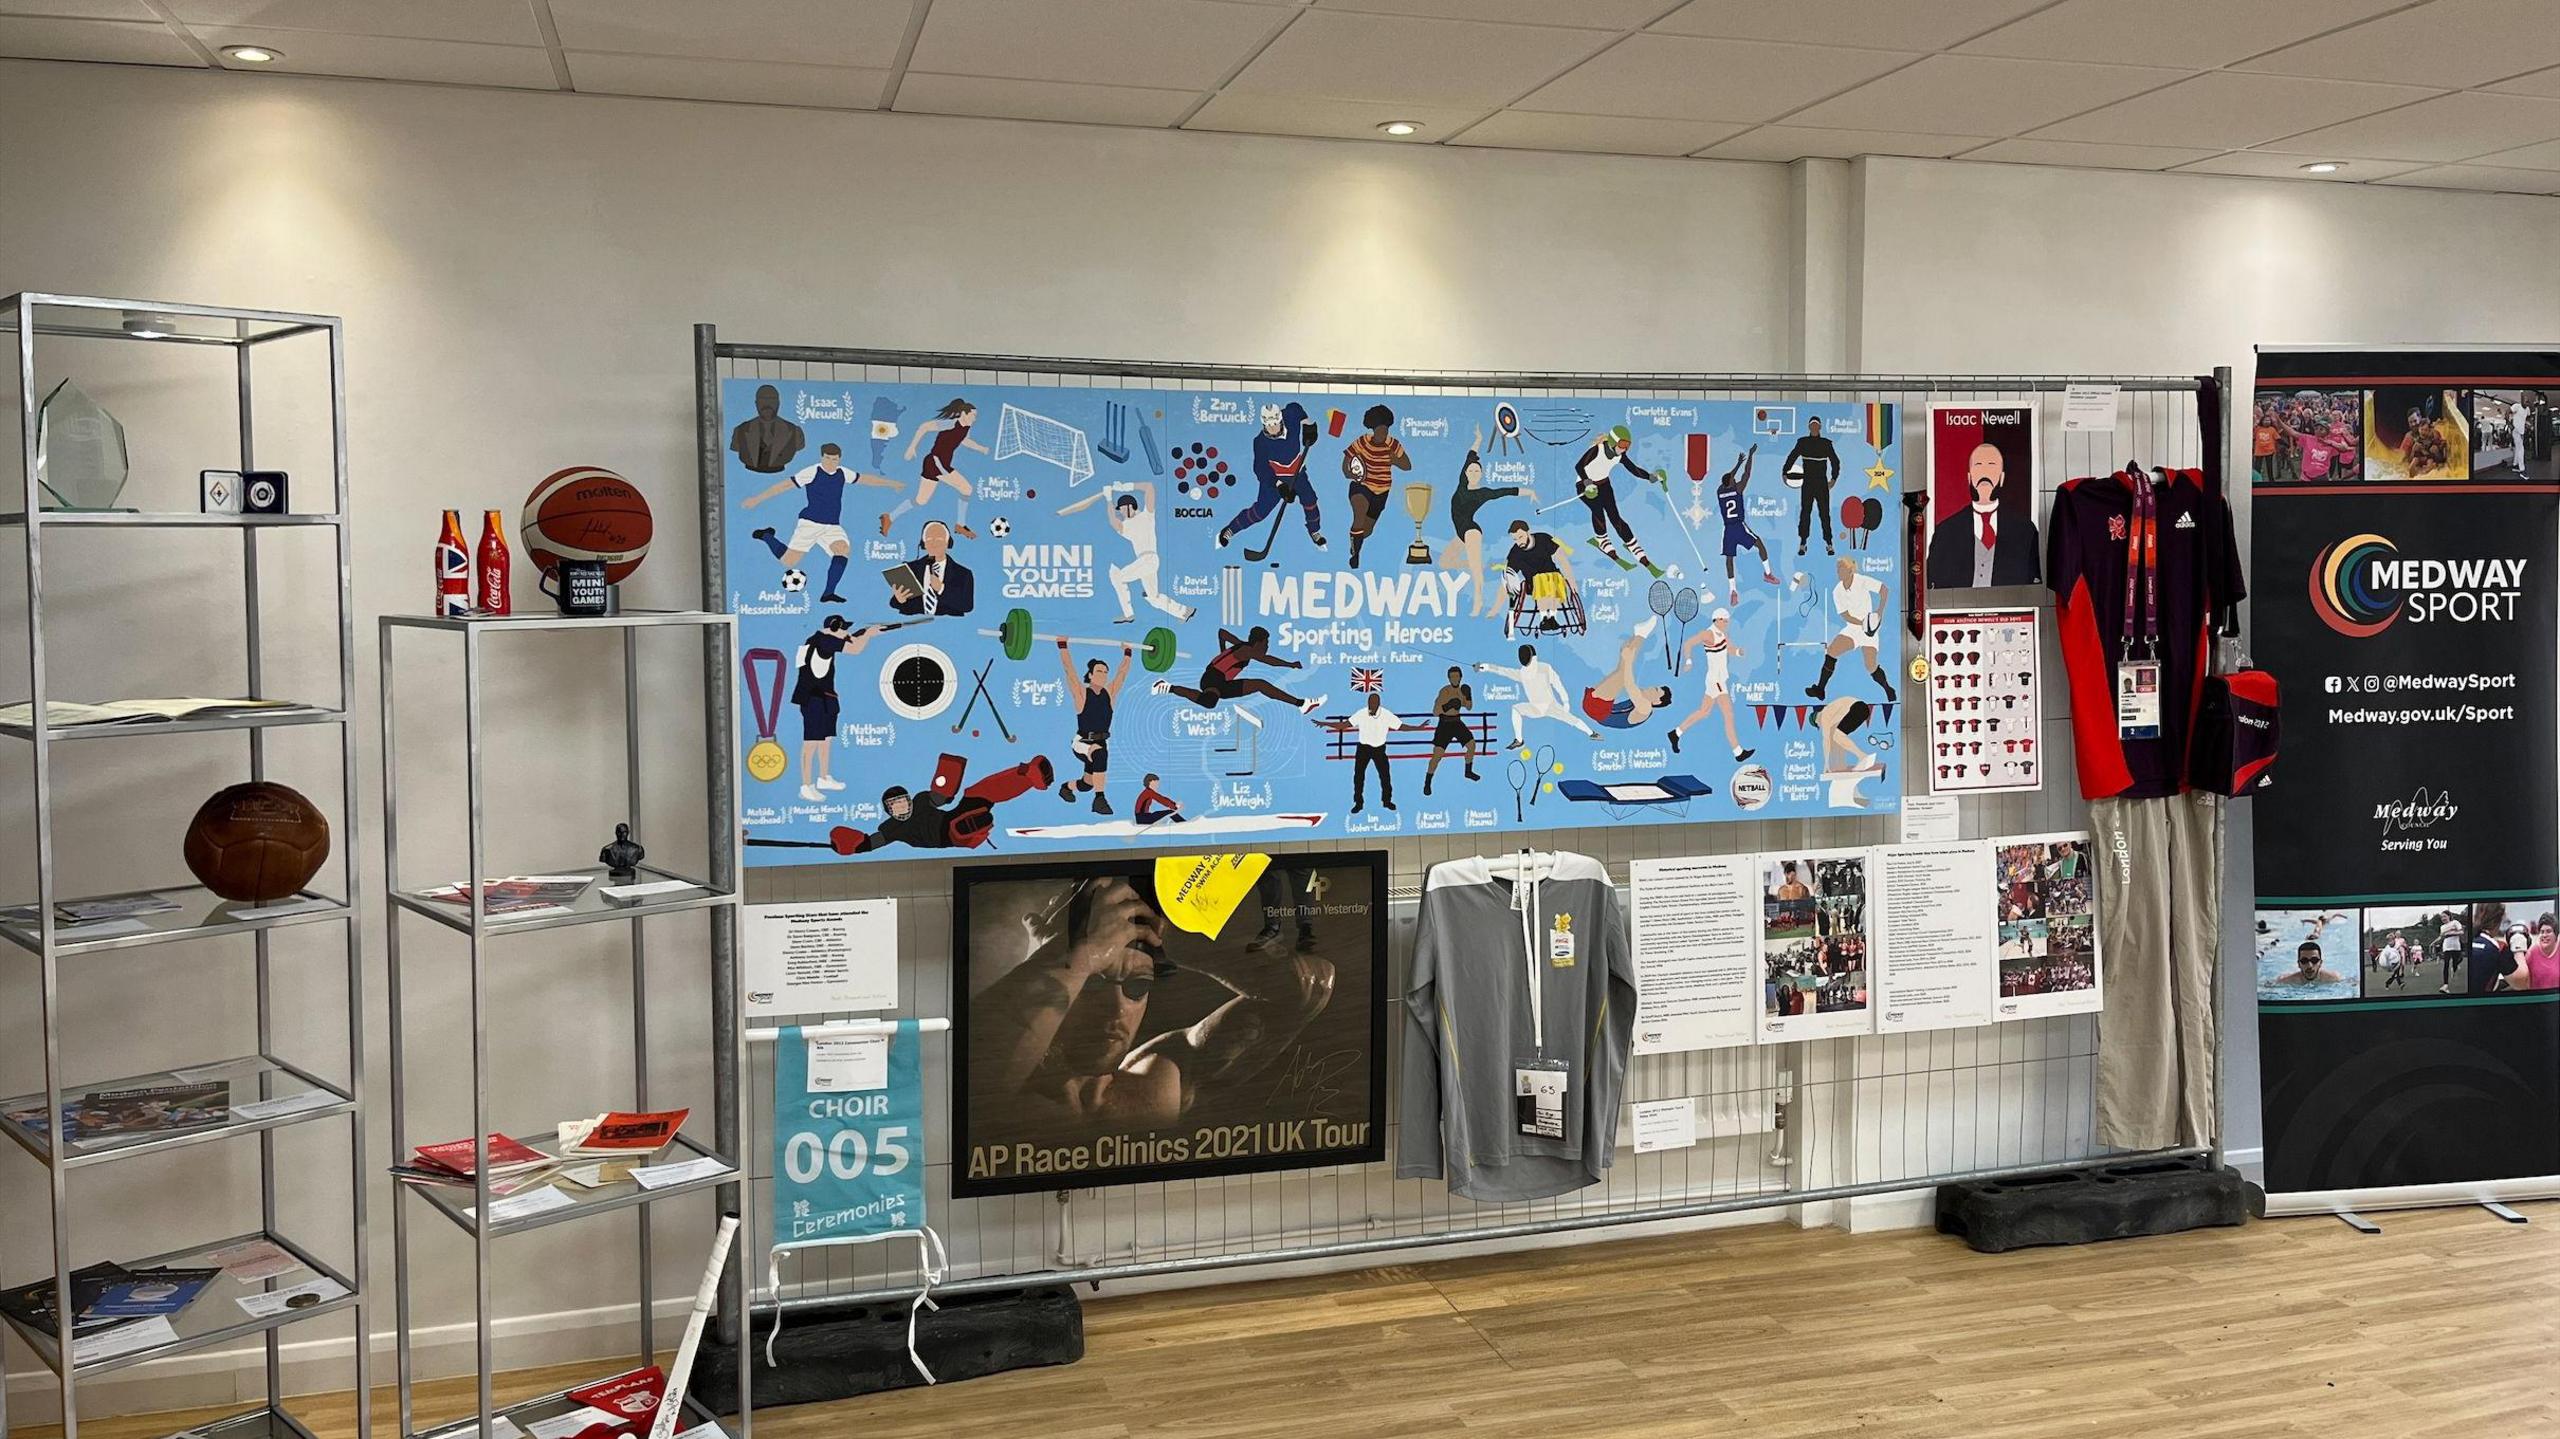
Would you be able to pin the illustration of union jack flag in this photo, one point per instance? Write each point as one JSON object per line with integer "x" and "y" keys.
{"x": 1368, "y": 681}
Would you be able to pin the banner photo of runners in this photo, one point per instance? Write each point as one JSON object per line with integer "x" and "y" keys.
{"x": 2406, "y": 525}
{"x": 1036, "y": 619}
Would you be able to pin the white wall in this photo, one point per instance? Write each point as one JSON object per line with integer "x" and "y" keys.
{"x": 518, "y": 273}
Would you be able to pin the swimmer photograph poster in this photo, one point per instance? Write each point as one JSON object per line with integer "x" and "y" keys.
{"x": 1032, "y": 619}
{"x": 2404, "y": 528}
{"x": 1129, "y": 1021}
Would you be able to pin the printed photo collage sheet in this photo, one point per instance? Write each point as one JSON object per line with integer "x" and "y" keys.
{"x": 1038, "y": 619}
{"x": 1819, "y": 943}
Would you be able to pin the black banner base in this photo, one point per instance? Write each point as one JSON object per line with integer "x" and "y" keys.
{"x": 841, "y": 1351}
{"x": 2083, "y": 1206}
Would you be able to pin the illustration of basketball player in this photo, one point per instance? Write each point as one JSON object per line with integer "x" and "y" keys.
{"x": 1224, "y": 677}
{"x": 949, "y": 428}
{"x": 1859, "y": 601}
{"x": 1717, "y": 644}
{"x": 1815, "y": 462}
{"x": 1612, "y": 453}
{"x": 1618, "y": 701}
{"x": 1542, "y": 693}
{"x": 1733, "y": 495}
{"x": 1095, "y": 696}
{"x": 821, "y": 522}
{"x": 1451, "y": 706}
{"x": 1370, "y": 464}
{"x": 1280, "y": 472}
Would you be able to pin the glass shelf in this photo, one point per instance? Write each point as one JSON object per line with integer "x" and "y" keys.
{"x": 159, "y": 322}
{"x": 590, "y": 907}
{"x": 200, "y": 914}
{"x": 256, "y": 1424}
{"x": 246, "y": 720}
{"x": 254, "y": 1079}
{"x": 698, "y": 1420}
{"x": 454, "y": 1201}
{"x": 168, "y": 519}
{"x": 215, "y": 1317}
{"x": 627, "y": 620}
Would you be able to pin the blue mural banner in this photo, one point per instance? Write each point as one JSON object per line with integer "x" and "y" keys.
{"x": 1044, "y": 619}
{"x": 848, "y": 1160}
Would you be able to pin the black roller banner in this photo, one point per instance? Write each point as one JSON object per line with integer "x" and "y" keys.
{"x": 2405, "y": 563}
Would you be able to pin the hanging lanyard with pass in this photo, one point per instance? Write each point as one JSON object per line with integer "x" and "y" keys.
{"x": 2138, "y": 669}
{"x": 1538, "y": 1083}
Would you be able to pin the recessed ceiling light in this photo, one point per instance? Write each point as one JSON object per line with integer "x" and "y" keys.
{"x": 2325, "y": 167}
{"x": 143, "y": 326}
{"x": 1399, "y": 127}
{"x": 252, "y": 54}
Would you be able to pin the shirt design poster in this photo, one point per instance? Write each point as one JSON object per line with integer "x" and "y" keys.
{"x": 1040, "y": 619}
{"x": 1986, "y": 713}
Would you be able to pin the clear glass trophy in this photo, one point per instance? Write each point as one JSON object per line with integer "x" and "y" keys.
{"x": 81, "y": 462}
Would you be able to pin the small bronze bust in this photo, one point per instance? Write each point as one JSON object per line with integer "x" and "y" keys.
{"x": 623, "y": 856}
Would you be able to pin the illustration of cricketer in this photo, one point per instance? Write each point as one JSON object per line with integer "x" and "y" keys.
{"x": 1133, "y": 518}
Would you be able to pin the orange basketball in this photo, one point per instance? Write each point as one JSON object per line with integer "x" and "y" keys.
{"x": 585, "y": 513}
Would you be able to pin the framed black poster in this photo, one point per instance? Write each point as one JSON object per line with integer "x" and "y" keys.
{"x": 1123, "y": 1022}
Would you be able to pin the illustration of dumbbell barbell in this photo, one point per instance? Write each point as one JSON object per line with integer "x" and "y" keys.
{"x": 1156, "y": 649}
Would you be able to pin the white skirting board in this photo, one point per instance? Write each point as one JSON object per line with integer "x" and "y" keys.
{"x": 2372, "y": 1202}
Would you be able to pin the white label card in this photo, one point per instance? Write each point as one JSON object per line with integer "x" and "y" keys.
{"x": 307, "y": 1295}
{"x": 576, "y": 1421}
{"x": 1928, "y": 818}
{"x": 124, "y": 1339}
{"x": 2089, "y": 409}
{"x": 263, "y": 1109}
{"x": 847, "y": 1064}
{"x": 1666, "y": 1124}
{"x": 836, "y": 957}
{"x": 660, "y": 1176}
{"x": 525, "y": 1205}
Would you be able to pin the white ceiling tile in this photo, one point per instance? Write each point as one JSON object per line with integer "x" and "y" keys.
{"x": 2545, "y": 156}
{"x": 2483, "y": 177}
{"x": 752, "y": 82}
{"x": 487, "y": 22}
{"x": 2540, "y": 82}
{"x": 2449, "y": 44}
{"x": 1797, "y": 142}
{"x": 1168, "y": 44}
{"x": 112, "y": 41}
{"x": 1403, "y": 58}
{"x": 2184, "y": 33}
{"x": 1880, "y": 24}
{"x": 1982, "y": 95}
{"x": 1311, "y": 115}
{"x": 2268, "y": 166}
{"x": 2450, "y": 127}
{"x": 1596, "y": 134}
{"x": 2226, "y": 111}
{"x": 81, "y": 9}
{"x": 2087, "y": 157}
{"x": 1677, "y": 77}
{"x": 864, "y": 34}
{"x": 375, "y": 57}
{"x": 1043, "y": 100}
{"x": 1590, "y": 14}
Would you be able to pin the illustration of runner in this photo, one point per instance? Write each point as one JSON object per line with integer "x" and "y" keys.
{"x": 1451, "y": 706}
{"x": 1733, "y": 494}
{"x": 1133, "y": 518}
{"x": 1542, "y": 566}
{"x": 1370, "y": 464}
{"x": 1618, "y": 702}
{"x": 1816, "y": 463}
{"x": 950, "y": 430}
{"x": 1095, "y": 696}
{"x": 1859, "y": 601}
{"x": 1720, "y": 651}
{"x": 1542, "y": 693}
{"x": 1280, "y": 472}
{"x": 1373, "y": 725}
{"x": 821, "y": 522}
{"x": 1154, "y": 806}
{"x": 1611, "y": 453}
{"x": 813, "y": 693}
{"x": 1225, "y": 679}
{"x": 1466, "y": 500}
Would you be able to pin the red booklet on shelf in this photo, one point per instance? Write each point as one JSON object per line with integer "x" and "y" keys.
{"x": 506, "y": 1156}
{"x": 622, "y": 1135}
{"x": 631, "y": 1399}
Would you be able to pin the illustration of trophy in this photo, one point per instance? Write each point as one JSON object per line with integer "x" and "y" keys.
{"x": 1417, "y": 503}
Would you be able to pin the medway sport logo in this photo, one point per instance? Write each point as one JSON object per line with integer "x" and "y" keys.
{"x": 2361, "y": 586}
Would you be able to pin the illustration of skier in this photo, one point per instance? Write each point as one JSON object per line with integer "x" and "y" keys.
{"x": 949, "y": 428}
{"x": 821, "y": 522}
{"x": 1733, "y": 497}
{"x": 1370, "y": 464}
{"x": 1594, "y": 473}
{"x": 1720, "y": 651}
{"x": 1095, "y": 696}
{"x": 1859, "y": 602}
{"x": 1224, "y": 677}
{"x": 1815, "y": 463}
{"x": 1280, "y": 472}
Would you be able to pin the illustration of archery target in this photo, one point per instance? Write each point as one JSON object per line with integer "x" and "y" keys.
{"x": 917, "y": 682}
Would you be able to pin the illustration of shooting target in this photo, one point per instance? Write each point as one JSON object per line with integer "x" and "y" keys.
{"x": 915, "y": 682}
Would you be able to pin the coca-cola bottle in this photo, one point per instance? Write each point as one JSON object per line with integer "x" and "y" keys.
{"x": 492, "y": 566}
{"x": 453, "y": 569}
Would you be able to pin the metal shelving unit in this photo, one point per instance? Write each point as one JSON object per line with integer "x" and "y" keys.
{"x": 276, "y": 1092}
{"x": 714, "y": 895}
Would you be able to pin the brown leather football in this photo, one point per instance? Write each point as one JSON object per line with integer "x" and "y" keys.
{"x": 257, "y": 842}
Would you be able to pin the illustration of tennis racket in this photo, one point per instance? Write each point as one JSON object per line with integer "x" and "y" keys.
{"x": 1546, "y": 765}
{"x": 1684, "y": 609}
{"x": 1519, "y": 773}
{"x": 1659, "y": 598}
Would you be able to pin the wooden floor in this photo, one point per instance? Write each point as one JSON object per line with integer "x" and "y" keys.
{"x": 2445, "y": 1326}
